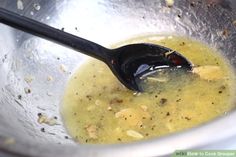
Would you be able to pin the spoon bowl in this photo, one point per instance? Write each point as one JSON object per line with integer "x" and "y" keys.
{"x": 130, "y": 62}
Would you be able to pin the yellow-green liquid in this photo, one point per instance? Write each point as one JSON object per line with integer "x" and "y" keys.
{"x": 98, "y": 109}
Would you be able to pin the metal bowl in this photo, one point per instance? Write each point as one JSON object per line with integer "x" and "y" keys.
{"x": 34, "y": 71}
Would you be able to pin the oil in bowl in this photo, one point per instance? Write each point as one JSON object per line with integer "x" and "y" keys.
{"x": 98, "y": 109}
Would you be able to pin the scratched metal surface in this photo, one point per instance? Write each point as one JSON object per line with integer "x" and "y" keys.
{"x": 27, "y": 62}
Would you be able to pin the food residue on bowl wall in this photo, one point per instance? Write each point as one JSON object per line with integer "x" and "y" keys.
{"x": 44, "y": 119}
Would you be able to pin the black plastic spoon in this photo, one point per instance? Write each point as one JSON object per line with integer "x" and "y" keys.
{"x": 126, "y": 62}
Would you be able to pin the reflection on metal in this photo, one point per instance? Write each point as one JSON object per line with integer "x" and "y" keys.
{"x": 104, "y": 22}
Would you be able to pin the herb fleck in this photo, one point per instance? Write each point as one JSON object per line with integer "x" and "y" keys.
{"x": 168, "y": 114}
{"x": 163, "y": 101}
{"x": 19, "y": 97}
{"x": 42, "y": 129}
{"x": 187, "y": 118}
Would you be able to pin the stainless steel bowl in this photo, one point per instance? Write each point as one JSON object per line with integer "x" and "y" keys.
{"x": 29, "y": 63}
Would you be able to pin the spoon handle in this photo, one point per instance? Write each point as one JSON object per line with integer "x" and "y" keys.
{"x": 44, "y": 31}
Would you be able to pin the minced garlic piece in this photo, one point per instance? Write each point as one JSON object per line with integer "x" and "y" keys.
{"x": 170, "y": 3}
{"x": 42, "y": 118}
{"x": 98, "y": 102}
{"x": 132, "y": 116}
{"x": 144, "y": 107}
{"x": 63, "y": 68}
{"x": 29, "y": 79}
{"x": 134, "y": 134}
{"x": 209, "y": 72}
{"x": 49, "y": 78}
{"x": 109, "y": 108}
{"x": 92, "y": 131}
{"x": 20, "y": 5}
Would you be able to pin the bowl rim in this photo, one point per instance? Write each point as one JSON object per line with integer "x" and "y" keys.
{"x": 193, "y": 138}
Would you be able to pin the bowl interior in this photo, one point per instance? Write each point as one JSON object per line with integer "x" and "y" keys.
{"x": 34, "y": 71}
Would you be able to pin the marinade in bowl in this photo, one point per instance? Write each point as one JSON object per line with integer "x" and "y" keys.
{"x": 98, "y": 109}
